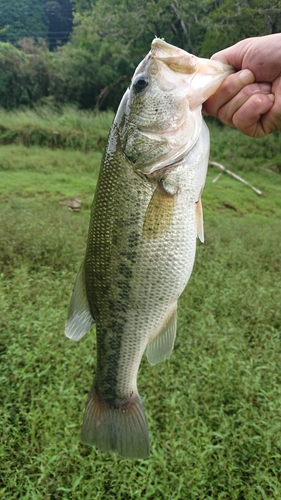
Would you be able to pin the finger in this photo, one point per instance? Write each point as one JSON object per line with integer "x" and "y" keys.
{"x": 227, "y": 90}
{"x": 247, "y": 118}
{"x": 235, "y": 54}
{"x": 221, "y": 56}
{"x": 271, "y": 121}
{"x": 226, "y": 112}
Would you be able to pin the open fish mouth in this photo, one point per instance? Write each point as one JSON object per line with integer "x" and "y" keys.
{"x": 177, "y": 68}
{"x": 175, "y": 58}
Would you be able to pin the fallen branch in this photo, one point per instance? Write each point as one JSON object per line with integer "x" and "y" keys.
{"x": 235, "y": 176}
{"x": 217, "y": 178}
{"x": 270, "y": 171}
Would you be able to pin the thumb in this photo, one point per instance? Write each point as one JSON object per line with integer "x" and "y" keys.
{"x": 223, "y": 57}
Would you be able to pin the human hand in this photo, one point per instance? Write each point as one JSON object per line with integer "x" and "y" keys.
{"x": 250, "y": 100}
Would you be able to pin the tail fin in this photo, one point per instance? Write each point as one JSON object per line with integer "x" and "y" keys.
{"x": 123, "y": 430}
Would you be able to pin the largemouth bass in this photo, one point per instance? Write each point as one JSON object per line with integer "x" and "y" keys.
{"x": 146, "y": 216}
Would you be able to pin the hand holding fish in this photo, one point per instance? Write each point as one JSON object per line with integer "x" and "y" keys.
{"x": 250, "y": 100}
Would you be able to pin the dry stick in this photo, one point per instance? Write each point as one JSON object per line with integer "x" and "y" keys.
{"x": 217, "y": 178}
{"x": 237, "y": 177}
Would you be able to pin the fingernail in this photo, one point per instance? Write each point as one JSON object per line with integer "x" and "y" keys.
{"x": 246, "y": 76}
{"x": 271, "y": 97}
{"x": 265, "y": 87}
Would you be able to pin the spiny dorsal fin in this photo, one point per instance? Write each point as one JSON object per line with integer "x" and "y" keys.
{"x": 162, "y": 345}
{"x": 79, "y": 319}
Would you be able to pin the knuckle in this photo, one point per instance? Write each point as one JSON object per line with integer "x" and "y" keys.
{"x": 223, "y": 114}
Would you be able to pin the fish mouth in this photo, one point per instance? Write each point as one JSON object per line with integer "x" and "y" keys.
{"x": 199, "y": 76}
{"x": 178, "y": 60}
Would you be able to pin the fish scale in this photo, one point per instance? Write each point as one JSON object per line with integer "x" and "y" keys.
{"x": 145, "y": 219}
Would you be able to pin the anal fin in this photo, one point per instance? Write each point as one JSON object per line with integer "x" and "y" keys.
{"x": 161, "y": 346}
{"x": 79, "y": 319}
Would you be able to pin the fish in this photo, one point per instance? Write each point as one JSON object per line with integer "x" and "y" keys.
{"x": 145, "y": 219}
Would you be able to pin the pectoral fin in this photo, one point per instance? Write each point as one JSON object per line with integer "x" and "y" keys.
{"x": 159, "y": 214}
{"x": 162, "y": 345}
{"x": 199, "y": 220}
{"x": 79, "y": 319}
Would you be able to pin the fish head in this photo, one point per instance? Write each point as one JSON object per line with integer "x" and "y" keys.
{"x": 160, "y": 116}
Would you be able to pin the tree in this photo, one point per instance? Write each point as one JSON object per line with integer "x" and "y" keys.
{"x": 59, "y": 15}
{"x": 24, "y": 74}
{"x": 48, "y": 19}
{"x": 136, "y": 23}
{"x": 22, "y": 19}
{"x": 234, "y": 20}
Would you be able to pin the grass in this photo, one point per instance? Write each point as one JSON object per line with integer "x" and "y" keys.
{"x": 68, "y": 128}
{"x": 214, "y": 408}
{"x": 47, "y": 175}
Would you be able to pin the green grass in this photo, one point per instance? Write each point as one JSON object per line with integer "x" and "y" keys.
{"x": 47, "y": 175}
{"x": 241, "y": 152}
{"x": 213, "y": 409}
{"x": 67, "y": 128}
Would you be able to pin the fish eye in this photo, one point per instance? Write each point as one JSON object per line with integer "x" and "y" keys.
{"x": 140, "y": 82}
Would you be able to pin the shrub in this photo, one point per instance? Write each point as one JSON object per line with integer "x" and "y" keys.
{"x": 24, "y": 77}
